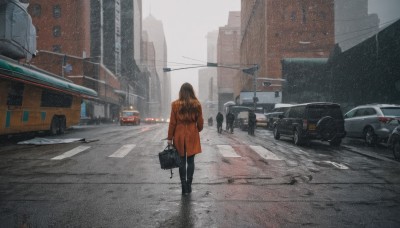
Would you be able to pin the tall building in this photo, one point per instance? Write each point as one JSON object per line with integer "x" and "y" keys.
{"x": 105, "y": 30}
{"x": 155, "y": 30}
{"x": 131, "y": 36}
{"x": 150, "y": 69}
{"x": 273, "y": 30}
{"x": 57, "y": 31}
{"x": 228, "y": 49}
{"x": 353, "y": 24}
{"x": 208, "y": 95}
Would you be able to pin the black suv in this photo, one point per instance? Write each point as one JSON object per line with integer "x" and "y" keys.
{"x": 303, "y": 122}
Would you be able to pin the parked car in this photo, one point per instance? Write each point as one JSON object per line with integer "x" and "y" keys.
{"x": 274, "y": 115}
{"x": 372, "y": 122}
{"x": 304, "y": 122}
{"x": 261, "y": 120}
{"x": 129, "y": 117}
{"x": 394, "y": 142}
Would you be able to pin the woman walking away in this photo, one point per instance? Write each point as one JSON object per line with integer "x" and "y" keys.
{"x": 186, "y": 121}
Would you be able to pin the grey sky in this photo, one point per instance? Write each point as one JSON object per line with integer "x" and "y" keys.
{"x": 186, "y": 23}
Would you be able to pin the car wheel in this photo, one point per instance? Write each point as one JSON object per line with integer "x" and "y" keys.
{"x": 370, "y": 136}
{"x": 335, "y": 142}
{"x": 276, "y": 133}
{"x": 396, "y": 150}
{"x": 297, "y": 138}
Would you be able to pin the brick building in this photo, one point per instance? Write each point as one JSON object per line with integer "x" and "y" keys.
{"x": 57, "y": 30}
{"x": 228, "y": 54}
{"x": 273, "y": 30}
{"x": 99, "y": 42}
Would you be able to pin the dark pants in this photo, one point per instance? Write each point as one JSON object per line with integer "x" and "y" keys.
{"x": 187, "y": 174}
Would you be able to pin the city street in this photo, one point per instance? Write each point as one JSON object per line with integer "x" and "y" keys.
{"x": 114, "y": 180}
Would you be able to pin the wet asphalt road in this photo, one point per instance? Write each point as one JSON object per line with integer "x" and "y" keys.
{"x": 312, "y": 186}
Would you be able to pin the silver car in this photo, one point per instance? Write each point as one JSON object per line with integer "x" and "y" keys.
{"x": 372, "y": 122}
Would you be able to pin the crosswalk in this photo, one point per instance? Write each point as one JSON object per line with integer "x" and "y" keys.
{"x": 225, "y": 150}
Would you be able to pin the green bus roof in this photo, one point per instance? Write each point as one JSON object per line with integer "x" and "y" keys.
{"x": 19, "y": 72}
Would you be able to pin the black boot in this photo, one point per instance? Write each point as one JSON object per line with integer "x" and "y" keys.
{"x": 184, "y": 187}
{"x": 189, "y": 185}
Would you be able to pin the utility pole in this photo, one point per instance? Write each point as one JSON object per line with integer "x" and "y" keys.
{"x": 253, "y": 71}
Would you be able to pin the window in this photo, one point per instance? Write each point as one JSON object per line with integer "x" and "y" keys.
{"x": 304, "y": 14}
{"x": 15, "y": 94}
{"x": 322, "y": 15}
{"x": 56, "y": 31}
{"x": 57, "y": 48}
{"x": 36, "y": 10}
{"x": 57, "y": 11}
{"x": 54, "y": 99}
{"x": 293, "y": 16}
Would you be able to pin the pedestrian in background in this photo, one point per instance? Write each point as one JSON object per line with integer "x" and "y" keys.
{"x": 186, "y": 121}
{"x": 220, "y": 119}
{"x": 230, "y": 118}
{"x": 252, "y": 122}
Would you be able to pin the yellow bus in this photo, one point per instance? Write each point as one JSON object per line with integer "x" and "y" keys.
{"x": 32, "y": 100}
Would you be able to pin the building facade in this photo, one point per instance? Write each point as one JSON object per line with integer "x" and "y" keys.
{"x": 228, "y": 54}
{"x": 208, "y": 95}
{"x": 353, "y": 24}
{"x": 57, "y": 31}
{"x": 155, "y": 30}
{"x": 102, "y": 36}
{"x": 273, "y": 30}
{"x": 150, "y": 70}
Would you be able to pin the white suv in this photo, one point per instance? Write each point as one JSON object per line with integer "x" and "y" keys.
{"x": 372, "y": 122}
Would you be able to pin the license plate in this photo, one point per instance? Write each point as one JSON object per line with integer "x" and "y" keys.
{"x": 312, "y": 127}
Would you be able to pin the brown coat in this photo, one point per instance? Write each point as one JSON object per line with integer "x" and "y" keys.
{"x": 185, "y": 133}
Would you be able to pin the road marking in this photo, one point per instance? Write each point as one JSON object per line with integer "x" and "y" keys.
{"x": 337, "y": 165}
{"x": 71, "y": 153}
{"x": 227, "y": 151}
{"x": 123, "y": 151}
{"x": 265, "y": 153}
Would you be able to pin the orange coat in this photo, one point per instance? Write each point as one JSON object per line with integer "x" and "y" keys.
{"x": 185, "y": 133}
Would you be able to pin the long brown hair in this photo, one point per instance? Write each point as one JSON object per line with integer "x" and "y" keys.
{"x": 189, "y": 104}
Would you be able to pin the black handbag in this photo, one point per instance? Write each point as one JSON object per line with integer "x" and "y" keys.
{"x": 169, "y": 158}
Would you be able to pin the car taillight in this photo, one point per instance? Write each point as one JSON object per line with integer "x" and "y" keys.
{"x": 305, "y": 124}
{"x": 384, "y": 119}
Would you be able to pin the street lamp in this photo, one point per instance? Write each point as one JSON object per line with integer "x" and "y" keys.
{"x": 252, "y": 71}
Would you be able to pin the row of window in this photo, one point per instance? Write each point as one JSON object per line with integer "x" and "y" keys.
{"x": 36, "y": 11}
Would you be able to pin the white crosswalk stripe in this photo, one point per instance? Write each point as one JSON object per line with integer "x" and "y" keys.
{"x": 227, "y": 151}
{"x": 71, "y": 153}
{"x": 265, "y": 153}
{"x": 123, "y": 151}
